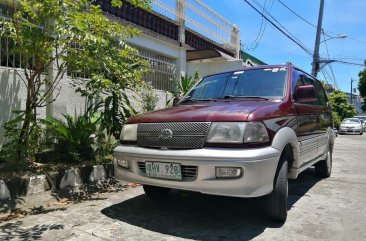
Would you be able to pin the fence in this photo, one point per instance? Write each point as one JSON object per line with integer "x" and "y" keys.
{"x": 201, "y": 19}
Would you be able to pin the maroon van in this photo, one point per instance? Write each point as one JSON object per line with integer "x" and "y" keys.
{"x": 240, "y": 133}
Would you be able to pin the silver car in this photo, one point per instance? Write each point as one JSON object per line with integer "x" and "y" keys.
{"x": 363, "y": 121}
{"x": 352, "y": 126}
{"x": 363, "y": 125}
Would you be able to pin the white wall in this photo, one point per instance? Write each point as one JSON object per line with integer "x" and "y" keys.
{"x": 13, "y": 95}
{"x": 68, "y": 101}
{"x": 206, "y": 68}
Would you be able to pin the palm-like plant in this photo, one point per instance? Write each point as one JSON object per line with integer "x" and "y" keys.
{"x": 185, "y": 83}
{"x": 72, "y": 139}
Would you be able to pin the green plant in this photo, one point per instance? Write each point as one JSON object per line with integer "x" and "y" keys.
{"x": 104, "y": 146}
{"x": 336, "y": 119}
{"x": 362, "y": 86}
{"x": 185, "y": 83}
{"x": 73, "y": 139}
{"x": 8, "y": 153}
{"x": 61, "y": 36}
{"x": 340, "y": 105}
{"x": 149, "y": 98}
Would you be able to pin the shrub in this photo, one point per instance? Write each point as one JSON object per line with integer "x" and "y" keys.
{"x": 73, "y": 139}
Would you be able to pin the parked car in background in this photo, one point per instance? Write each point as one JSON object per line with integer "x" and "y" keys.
{"x": 363, "y": 125}
{"x": 351, "y": 126}
{"x": 363, "y": 120}
{"x": 239, "y": 133}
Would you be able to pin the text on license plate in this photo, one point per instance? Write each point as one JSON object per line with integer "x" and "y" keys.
{"x": 163, "y": 170}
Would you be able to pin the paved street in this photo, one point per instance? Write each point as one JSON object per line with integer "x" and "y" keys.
{"x": 331, "y": 209}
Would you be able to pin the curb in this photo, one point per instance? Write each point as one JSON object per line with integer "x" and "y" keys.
{"x": 11, "y": 188}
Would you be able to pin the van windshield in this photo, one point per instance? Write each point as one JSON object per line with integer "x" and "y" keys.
{"x": 254, "y": 83}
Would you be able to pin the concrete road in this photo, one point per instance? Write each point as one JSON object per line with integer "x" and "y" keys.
{"x": 329, "y": 209}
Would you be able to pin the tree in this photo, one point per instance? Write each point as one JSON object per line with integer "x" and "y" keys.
{"x": 341, "y": 108}
{"x": 362, "y": 86}
{"x": 327, "y": 87}
{"x": 67, "y": 35}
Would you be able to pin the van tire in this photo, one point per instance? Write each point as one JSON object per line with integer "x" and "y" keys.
{"x": 323, "y": 168}
{"x": 156, "y": 193}
{"x": 277, "y": 200}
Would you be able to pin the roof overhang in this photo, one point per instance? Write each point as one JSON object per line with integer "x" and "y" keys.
{"x": 207, "y": 55}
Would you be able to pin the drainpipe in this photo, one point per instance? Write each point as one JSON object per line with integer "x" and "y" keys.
{"x": 180, "y": 10}
{"x": 235, "y": 41}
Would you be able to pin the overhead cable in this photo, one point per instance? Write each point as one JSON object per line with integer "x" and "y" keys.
{"x": 281, "y": 30}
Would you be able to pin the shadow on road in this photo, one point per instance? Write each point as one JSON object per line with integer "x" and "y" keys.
{"x": 204, "y": 217}
{"x": 13, "y": 231}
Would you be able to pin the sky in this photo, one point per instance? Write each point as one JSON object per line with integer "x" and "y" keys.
{"x": 340, "y": 17}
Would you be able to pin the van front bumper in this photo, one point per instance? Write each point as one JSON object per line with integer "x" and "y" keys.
{"x": 258, "y": 169}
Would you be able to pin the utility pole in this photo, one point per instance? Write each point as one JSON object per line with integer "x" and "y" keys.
{"x": 352, "y": 91}
{"x": 315, "y": 64}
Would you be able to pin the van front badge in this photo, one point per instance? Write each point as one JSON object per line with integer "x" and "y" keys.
{"x": 166, "y": 134}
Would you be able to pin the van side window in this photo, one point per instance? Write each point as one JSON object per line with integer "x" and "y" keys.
{"x": 300, "y": 78}
{"x": 322, "y": 97}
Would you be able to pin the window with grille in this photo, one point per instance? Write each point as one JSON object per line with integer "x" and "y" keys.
{"x": 163, "y": 70}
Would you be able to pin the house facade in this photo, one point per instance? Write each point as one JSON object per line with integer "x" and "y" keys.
{"x": 177, "y": 37}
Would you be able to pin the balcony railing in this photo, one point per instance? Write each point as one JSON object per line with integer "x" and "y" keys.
{"x": 201, "y": 19}
{"x": 142, "y": 18}
{"x": 204, "y": 28}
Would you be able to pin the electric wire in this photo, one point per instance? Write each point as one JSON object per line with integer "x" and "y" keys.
{"x": 327, "y": 33}
{"x": 283, "y": 27}
{"x": 301, "y": 45}
{"x": 298, "y": 15}
{"x": 262, "y": 28}
{"x": 330, "y": 64}
{"x": 327, "y": 77}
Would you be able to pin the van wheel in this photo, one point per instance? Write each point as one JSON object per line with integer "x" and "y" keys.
{"x": 277, "y": 200}
{"x": 324, "y": 168}
{"x": 154, "y": 192}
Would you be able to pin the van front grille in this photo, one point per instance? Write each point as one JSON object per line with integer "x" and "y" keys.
{"x": 184, "y": 135}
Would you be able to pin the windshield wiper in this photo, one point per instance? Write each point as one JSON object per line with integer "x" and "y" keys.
{"x": 193, "y": 100}
{"x": 244, "y": 97}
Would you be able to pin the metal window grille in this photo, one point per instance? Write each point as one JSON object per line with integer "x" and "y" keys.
{"x": 77, "y": 74}
{"x": 9, "y": 57}
{"x": 164, "y": 70}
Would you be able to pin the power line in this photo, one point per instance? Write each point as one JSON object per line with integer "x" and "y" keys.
{"x": 262, "y": 28}
{"x": 330, "y": 65}
{"x": 326, "y": 75}
{"x": 279, "y": 29}
{"x": 298, "y": 15}
{"x": 327, "y": 33}
{"x": 280, "y": 25}
{"x": 350, "y": 63}
{"x": 290, "y": 36}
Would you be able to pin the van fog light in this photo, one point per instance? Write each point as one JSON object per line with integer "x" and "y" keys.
{"x": 228, "y": 172}
{"x": 122, "y": 163}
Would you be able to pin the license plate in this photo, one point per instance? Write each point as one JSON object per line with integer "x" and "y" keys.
{"x": 163, "y": 170}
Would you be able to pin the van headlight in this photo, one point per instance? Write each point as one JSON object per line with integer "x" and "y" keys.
{"x": 255, "y": 132}
{"x": 237, "y": 132}
{"x": 129, "y": 132}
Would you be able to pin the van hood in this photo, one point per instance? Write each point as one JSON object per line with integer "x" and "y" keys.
{"x": 204, "y": 111}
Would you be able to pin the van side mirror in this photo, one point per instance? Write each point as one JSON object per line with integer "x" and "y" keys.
{"x": 176, "y": 100}
{"x": 305, "y": 93}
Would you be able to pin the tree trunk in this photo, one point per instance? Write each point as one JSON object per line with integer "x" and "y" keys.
{"x": 23, "y": 137}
